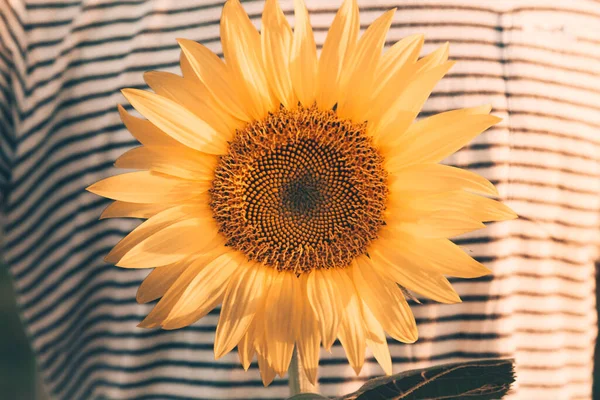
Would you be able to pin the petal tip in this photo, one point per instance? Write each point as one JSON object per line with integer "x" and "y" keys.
{"x": 147, "y": 325}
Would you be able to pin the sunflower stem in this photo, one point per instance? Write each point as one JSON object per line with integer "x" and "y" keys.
{"x": 298, "y": 381}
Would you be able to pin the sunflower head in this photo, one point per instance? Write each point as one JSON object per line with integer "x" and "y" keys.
{"x": 298, "y": 191}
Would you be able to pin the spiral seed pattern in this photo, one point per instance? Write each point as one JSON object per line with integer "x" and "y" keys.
{"x": 300, "y": 190}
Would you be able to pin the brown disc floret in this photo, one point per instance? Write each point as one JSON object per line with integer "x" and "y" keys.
{"x": 301, "y": 189}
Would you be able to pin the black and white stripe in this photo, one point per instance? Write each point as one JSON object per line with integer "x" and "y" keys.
{"x": 62, "y": 65}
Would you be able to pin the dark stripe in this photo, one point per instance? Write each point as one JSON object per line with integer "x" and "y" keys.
{"x": 44, "y": 5}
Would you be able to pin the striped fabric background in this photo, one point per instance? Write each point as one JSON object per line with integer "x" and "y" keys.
{"x": 62, "y": 64}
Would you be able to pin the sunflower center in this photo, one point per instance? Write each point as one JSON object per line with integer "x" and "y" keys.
{"x": 301, "y": 189}
{"x": 302, "y": 196}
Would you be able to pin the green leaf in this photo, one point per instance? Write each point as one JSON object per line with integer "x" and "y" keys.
{"x": 307, "y": 396}
{"x": 474, "y": 380}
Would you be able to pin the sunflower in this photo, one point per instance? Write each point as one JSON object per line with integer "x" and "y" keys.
{"x": 297, "y": 191}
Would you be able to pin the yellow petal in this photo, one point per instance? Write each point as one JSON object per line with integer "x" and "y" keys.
{"x": 170, "y": 161}
{"x": 195, "y": 97}
{"x": 309, "y": 338}
{"x": 123, "y": 209}
{"x": 427, "y": 283}
{"x": 258, "y": 325}
{"x": 419, "y": 78}
{"x": 385, "y": 300}
{"x": 148, "y": 187}
{"x": 160, "y": 280}
{"x": 243, "y": 55}
{"x": 434, "y": 255}
{"x": 153, "y": 225}
{"x": 177, "y": 122}
{"x": 213, "y": 73}
{"x": 434, "y": 59}
{"x": 357, "y": 81}
{"x": 244, "y": 293}
{"x": 170, "y": 298}
{"x": 186, "y": 68}
{"x": 432, "y": 139}
{"x": 376, "y": 340}
{"x": 246, "y": 348}
{"x": 281, "y": 319}
{"x": 435, "y": 178}
{"x": 462, "y": 202}
{"x": 204, "y": 289}
{"x": 338, "y": 48}
{"x": 171, "y": 244}
{"x": 401, "y": 55}
{"x": 267, "y": 373}
{"x": 436, "y": 225}
{"x": 328, "y": 298}
{"x": 145, "y": 132}
{"x": 386, "y": 127}
{"x": 352, "y": 333}
{"x": 276, "y": 46}
{"x": 303, "y": 61}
